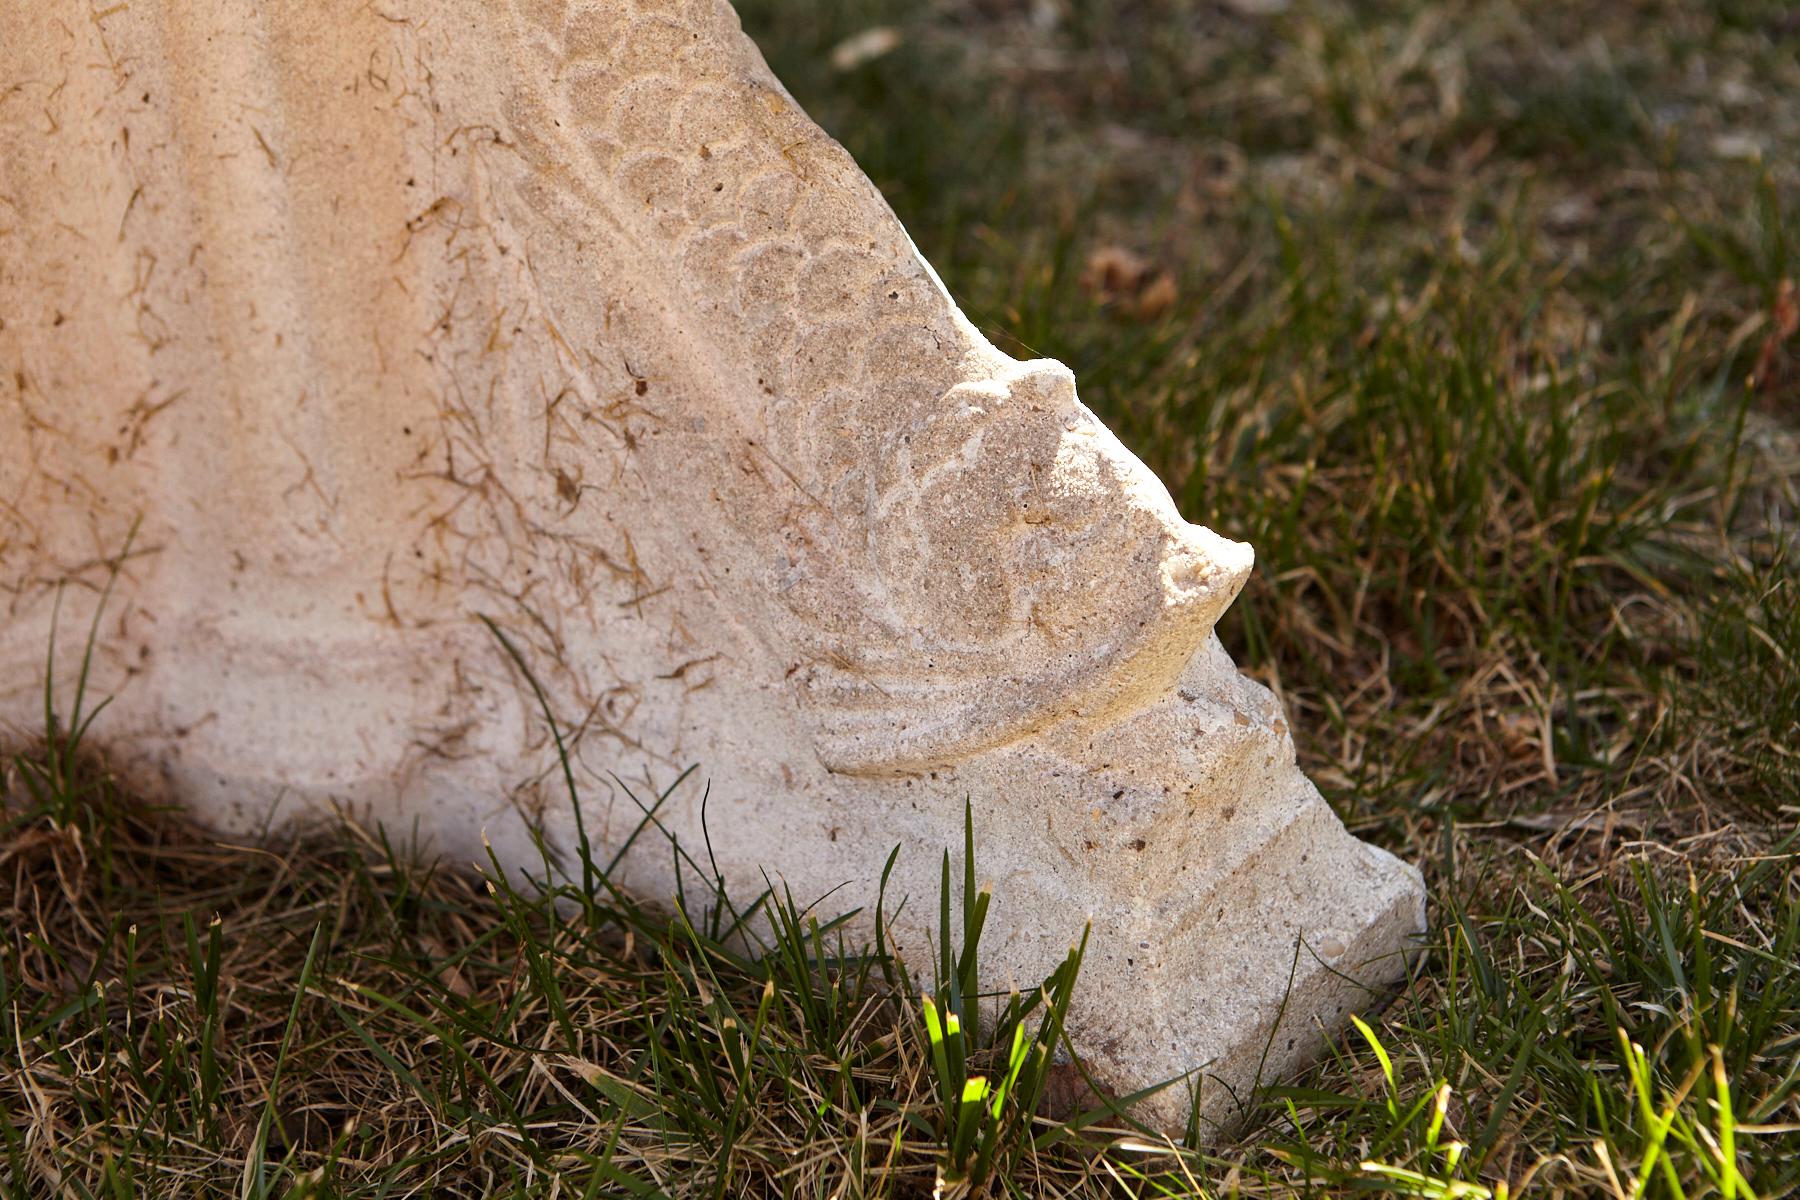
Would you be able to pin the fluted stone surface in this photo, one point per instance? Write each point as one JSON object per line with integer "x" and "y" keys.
{"x": 382, "y": 317}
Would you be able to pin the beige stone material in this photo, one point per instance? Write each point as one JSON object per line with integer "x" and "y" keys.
{"x": 381, "y": 317}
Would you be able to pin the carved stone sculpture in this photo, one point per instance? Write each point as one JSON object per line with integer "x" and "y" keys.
{"x": 380, "y": 318}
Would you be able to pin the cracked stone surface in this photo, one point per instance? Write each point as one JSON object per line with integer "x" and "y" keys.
{"x": 382, "y": 318}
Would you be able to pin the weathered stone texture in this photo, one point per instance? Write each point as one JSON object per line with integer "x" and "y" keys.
{"x": 380, "y": 317}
